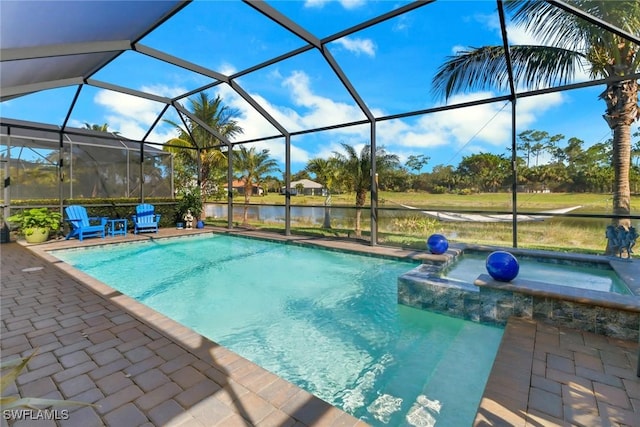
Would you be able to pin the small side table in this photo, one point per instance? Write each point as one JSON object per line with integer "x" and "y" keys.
{"x": 116, "y": 227}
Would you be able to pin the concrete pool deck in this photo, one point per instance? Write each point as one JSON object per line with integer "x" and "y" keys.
{"x": 99, "y": 346}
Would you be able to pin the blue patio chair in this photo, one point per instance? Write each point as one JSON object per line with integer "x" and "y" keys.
{"x": 145, "y": 219}
{"x": 83, "y": 225}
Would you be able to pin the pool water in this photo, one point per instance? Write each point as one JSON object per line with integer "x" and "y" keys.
{"x": 327, "y": 321}
{"x": 471, "y": 265}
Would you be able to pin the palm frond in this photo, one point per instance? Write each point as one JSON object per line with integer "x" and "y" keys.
{"x": 546, "y": 23}
{"x": 544, "y": 66}
{"x": 486, "y": 67}
{"x": 555, "y": 27}
{"x": 175, "y": 145}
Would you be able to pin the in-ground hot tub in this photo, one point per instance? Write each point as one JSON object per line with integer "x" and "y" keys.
{"x": 606, "y": 303}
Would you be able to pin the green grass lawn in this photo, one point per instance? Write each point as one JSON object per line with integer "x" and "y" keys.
{"x": 591, "y": 203}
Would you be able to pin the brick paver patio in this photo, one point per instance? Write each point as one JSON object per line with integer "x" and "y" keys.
{"x": 137, "y": 366}
{"x": 140, "y": 368}
{"x": 549, "y": 376}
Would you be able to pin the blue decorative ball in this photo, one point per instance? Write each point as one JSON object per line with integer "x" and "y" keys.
{"x": 437, "y": 244}
{"x": 502, "y": 266}
{"x": 200, "y": 224}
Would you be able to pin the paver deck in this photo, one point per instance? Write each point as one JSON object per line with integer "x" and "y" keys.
{"x": 141, "y": 368}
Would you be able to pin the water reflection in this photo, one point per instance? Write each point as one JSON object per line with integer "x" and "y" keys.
{"x": 276, "y": 214}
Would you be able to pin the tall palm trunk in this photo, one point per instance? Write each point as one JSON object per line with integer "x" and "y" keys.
{"x": 621, "y": 166}
{"x": 327, "y": 212}
{"x": 204, "y": 173}
{"x": 203, "y": 205}
{"x": 361, "y": 196}
{"x": 247, "y": 197}
{"x": 622, "y": 111}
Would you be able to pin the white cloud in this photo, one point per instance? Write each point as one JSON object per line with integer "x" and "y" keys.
{"x": 402, "y": 24}
{"x": 486, "y": 125}
{"x": 327, "y": 150}
{"x": 315, "y": 3}
{"x": 352, "y": 4}
{"x": 319, "y": 110}
{"x": 516, "y": 35}
{"x": 458, "y": 48}
{"x": 314, "y": 111}
{"x": 482, "y": 127}
{"x": 132, "y": 116}
{"x": 519, "y": 36}
{"x": 358, "y": 46}
{"x": 347, "y": 4}
{"x": 277, "y": 151}
{"x": 227, "y": 69}
{"x": 255, "y": 126}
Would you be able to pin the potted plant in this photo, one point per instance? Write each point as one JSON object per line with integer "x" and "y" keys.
{"x": 35, "y": 224}
{"x": 191, "y": 200}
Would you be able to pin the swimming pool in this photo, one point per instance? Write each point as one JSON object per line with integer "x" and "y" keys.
{"x": 578, "y": 275}
{"x": 327, "y": 321}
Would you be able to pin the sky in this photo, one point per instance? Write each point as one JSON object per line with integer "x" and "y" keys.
{"x": 390, "y": 65}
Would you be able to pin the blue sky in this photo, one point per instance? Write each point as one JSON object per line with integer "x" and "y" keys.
{"x": 390, "y": 65}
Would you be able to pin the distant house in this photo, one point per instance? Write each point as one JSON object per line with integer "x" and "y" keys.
{"x": 305, "y": 187}
{"x": 238, "y": 186}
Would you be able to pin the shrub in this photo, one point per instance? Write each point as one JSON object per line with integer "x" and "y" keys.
{"x": 30, "y": 219}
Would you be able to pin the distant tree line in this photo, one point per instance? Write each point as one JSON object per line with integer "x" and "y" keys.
{"x": 544, "y": 163}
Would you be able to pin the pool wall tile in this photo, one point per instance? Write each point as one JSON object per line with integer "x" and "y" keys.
{"x": 562, "y": 310}
{"x": 492, "y": 302}
{"x": 504, "y": 307}
{"x": 616, "y": 324}
{"x": 523, "y": 305}
{"x": 471, "y": 309}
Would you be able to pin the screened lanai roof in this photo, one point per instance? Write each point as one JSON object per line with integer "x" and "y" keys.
{"x": 52, "y": 44}
{"x": 82, "y": 49}
{"x": 23, "y": 132}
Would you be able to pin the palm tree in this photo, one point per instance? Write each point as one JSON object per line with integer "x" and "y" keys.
{"x": 195, "y": 144}
{"x": 569, "y": 43}
{"x": 356, "y": 170}
{"x": 252, "y": 165}
{"x": 325, "y": 171}
{"x": 99, "y": 128}
{"x": 635, "y": 149}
